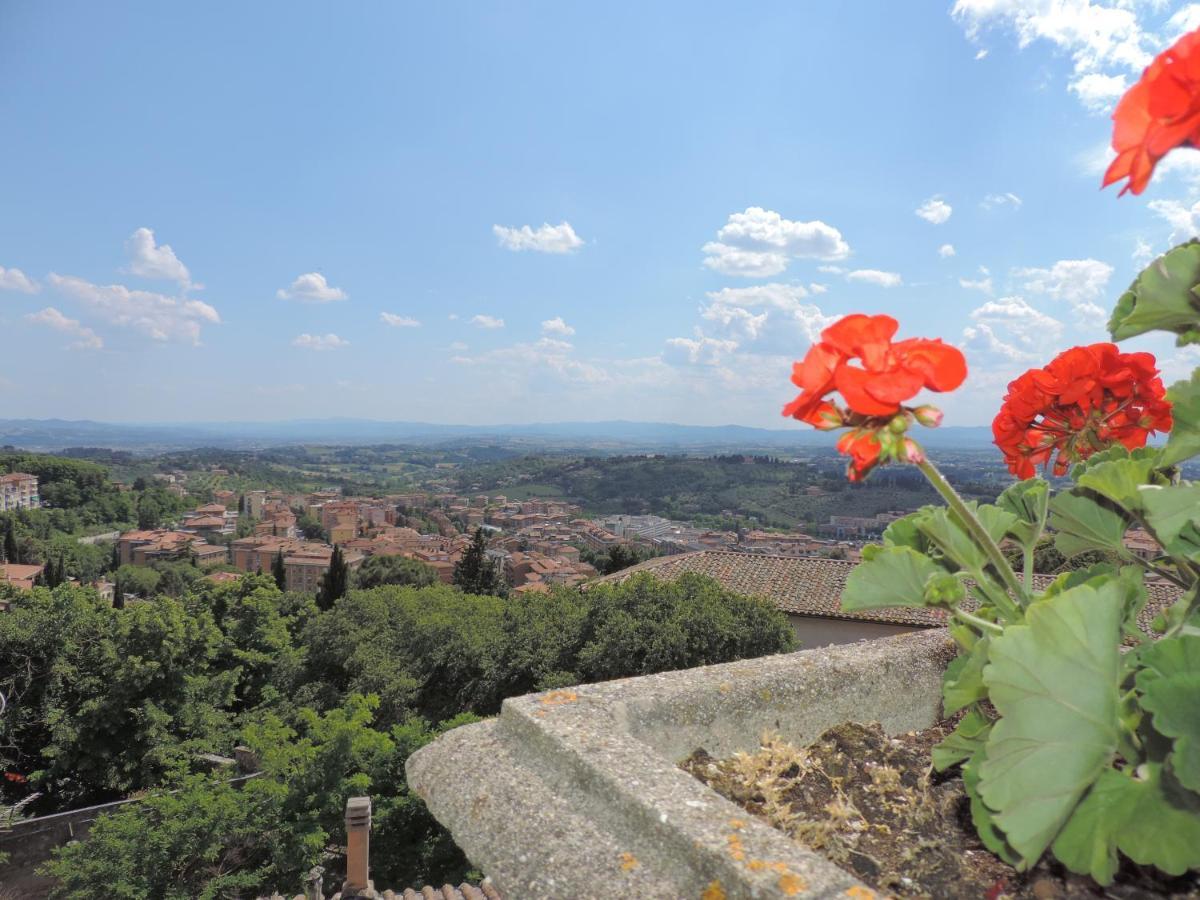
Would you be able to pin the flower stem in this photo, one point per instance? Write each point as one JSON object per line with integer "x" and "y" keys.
{"x": 982, "y": 624}
{"x": 981, "y": 536}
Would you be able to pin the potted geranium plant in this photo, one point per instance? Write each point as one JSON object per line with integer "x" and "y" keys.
{"x": 1079, "y": 733}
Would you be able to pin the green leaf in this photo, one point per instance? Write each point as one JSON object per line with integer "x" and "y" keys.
{"x": 888, "y": 576}
{"x": 1161, "y": 297}
{"x": 1029, "y": 501}
{"x": 1184, "y": 442}
{"x": 985, "y": 825}
{"x": 963, "y": 742}
{"x": 1146, "y": 818}
{"x": 905, "y": 533}
{"x": 1120, "y": 480}
{"x": 1174, "y": 514}
{"x": 1054, "y": 683}
{"x": 1174, "y": 703}
{"x": 951, "y": 536}
{"x": 962, "y": 684}
{"x": 1085, "y": 522}
{"x": 1170, "y": 684}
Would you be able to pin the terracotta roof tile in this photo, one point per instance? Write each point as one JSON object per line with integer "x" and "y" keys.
{"x": 812, "y": 586}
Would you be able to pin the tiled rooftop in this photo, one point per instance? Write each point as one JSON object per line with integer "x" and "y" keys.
{"x": 812, "y": 586}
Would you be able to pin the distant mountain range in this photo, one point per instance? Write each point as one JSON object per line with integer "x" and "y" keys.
{"x": 58, "y": 434}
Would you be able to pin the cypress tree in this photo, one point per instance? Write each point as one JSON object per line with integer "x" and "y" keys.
{"x": 335, "y": 581}
{"x": 12, "y": 553}
{"x": 278, "y": 570}
{"x": 474, "y": 573}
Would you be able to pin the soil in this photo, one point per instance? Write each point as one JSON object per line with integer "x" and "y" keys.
{"x": 873, "y": 805}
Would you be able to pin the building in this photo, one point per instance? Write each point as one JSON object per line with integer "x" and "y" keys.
{"x": 20, "y": 577}
{"x": 304, "y": 570}
{"x": 19, "y": 490}
{"x": 140, "y": 548}
{"x": 809, "y": 591}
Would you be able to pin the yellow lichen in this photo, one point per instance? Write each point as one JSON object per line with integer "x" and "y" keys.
{"x": 714, "y": 891}
{"x": 756, "y": 865}
{"x": 629, "y": 862}
{"x": 791, "y": 885}
{"x": 737, "y": 823}
{"x": 557, "y": 698}
{"x": 860, "y": 893}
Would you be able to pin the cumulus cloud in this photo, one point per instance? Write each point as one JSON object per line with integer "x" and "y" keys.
{"x": 759, "y": 243}
{"x": 482, "y": 321}
{"x": 320, "y": 342}
{"x": 548, "y": 238}
{"x": 946, "y": 250}
{"x": 1099, "y": 92}
{"x": 1099, "y": 36}
{"x": 875, "y": 277}
{"x": 1008, "y": 198}
{"x": 16, "y": 280}
{"x": 1008, "y": 331}
{"x": 312, "y": 288}
{"x": 815, "y": 288}
{"x": 745, "y": 311}
{"x": 700, "y": 350}
{"x": 1078, "y": 282}
{"x": 557, "y": 326}
{"x": 546, "y": 356}
{"x": 1184, "y": 219}
{"x": 85, "y": 338}
{"x": 1143, "y": 253}
{"x": 935, "y": 210}
{"x": 398, "y": 321}
{"x": 157, "y": 316}
{"x": 980, "y": 284}
{"x": 151, "y": 260}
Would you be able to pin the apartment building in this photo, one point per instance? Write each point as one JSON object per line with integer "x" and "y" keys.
{"x": 19, "y": 490}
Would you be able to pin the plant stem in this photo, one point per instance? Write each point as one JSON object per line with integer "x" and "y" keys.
{"x": 979, "y": 533}
{"x": 1028, "y": 572}
{"x": 982, "y": 624}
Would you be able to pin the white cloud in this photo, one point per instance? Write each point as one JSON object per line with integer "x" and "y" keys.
{"x": 991, "y": 201}
{"x": 16, "y": 280}
{"x": 320, "y": 342}
{"x": 85, "y": 338}
{"x": 935, "y": 210}
{"x": 701, "y": 350}
{"x": 482, "y": 321}
{"x": 397, "y": 321}
{"x": 1183, "y": 219}
{"x": 1008, "y": 331}
{"x": 982, "y": 54}
{"x": 831, "y": 270}
{"x": 521, "y": 363}
{"x": 981, "y": 284}
{"x": 548, "y": 238}
{"x": 557, "y": 326}
{"x": 1099, "y": 36}
{"x": 816, "y": 288}
{"x": 312, "y": 288}
{"x": 151, "y": 260}
{"x": 946, "y": 250}
{"x": 1078, "y": 282}
{"x": 875, "y": 277}
{"x": 732, "y": 309}
{"x": 759, "y": 243}
{"x": 157, "y": 316}
{"x": 1143, "y": 253}
{"x": 459, "y": 346}
{"x": 1099, "y": 92}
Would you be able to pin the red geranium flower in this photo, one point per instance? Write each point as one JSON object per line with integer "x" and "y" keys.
{"x": 1086, "y": 399}
{"x": 1158, "y": 114}
{"x": 857, "y": 359}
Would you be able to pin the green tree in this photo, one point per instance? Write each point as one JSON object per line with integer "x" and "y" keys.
{"x": 140, "y": 580}
{"x": 149, "y": 511}
{"x": 278, "y": 572}
{"x": 335, "y": 581}
{"x": 394, "y": 569}
{"x": 12, "y": 553}
{"x": 474, "y": 573}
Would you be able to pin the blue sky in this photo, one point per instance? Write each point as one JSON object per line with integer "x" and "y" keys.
{"x": 517, "y": 212}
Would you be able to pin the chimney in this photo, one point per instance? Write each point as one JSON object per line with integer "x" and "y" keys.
{"x": 358, "y": 848}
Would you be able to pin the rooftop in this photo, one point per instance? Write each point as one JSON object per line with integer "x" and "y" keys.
{"x": 812, "y": 586}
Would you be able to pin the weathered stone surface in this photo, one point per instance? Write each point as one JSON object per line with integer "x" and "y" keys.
{"x": 575, "y": 793}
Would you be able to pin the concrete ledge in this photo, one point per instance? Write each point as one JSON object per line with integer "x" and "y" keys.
{"x": 576, "y": 793}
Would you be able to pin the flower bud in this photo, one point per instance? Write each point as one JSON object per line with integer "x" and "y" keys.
{"x": 913, "y": 452}
{"x": 929, "y": 416}
{"x": 898, "y": 424}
